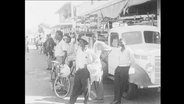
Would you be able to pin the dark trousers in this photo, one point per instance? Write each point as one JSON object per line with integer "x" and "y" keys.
{"x": 120, "y": 82}
{"x": 80, "y": 85}
{"x": 50, "y": 58}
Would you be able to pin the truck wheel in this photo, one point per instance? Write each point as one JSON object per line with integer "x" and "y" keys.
{"x": 131, "y": 91}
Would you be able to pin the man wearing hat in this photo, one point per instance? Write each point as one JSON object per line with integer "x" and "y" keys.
{"x": 121, "y": 75}
{"x": 84, "y": 56}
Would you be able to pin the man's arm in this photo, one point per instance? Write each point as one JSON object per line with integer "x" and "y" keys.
{"x": 105, "y": 47}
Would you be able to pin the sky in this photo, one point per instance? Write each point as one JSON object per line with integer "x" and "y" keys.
{"x": 37, "y": 12}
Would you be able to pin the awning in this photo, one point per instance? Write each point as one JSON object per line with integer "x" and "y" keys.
{"x": 134, "y": 2}
{"x": 113, "y": 8}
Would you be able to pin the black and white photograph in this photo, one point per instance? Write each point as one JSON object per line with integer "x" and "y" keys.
{"x": 92, "y": 52}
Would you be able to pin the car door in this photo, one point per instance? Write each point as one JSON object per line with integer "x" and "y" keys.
{"x": 113, "y": 58}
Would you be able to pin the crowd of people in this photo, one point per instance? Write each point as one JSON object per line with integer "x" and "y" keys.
{"x": 65, "y": 48}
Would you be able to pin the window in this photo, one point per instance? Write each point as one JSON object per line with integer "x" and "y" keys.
{"x": 134, "y": 37}
{"x": 152, "y": 37}
{"x": 114, "y": 39}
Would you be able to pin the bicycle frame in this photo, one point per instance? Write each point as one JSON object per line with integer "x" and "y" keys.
{"x": 54, "y": 71}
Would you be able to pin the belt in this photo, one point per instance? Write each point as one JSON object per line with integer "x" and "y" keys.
{"x": 123, "y": 65}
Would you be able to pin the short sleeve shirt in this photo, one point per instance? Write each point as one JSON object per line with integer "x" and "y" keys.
{"x": 60, "y": 48}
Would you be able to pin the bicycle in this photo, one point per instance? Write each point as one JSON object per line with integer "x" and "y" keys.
{"x": 61, "y": 82}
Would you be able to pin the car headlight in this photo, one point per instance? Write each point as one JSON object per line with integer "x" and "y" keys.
{"x": 149, "y": 68}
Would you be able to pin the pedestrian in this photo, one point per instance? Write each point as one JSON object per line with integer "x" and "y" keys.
{"x": 97, "y": 77}
{"x": 37, "y": 39}
{"x": 44, "y": 47}
{"x": 50, "y": 47}
{"x": 60, "y": 51}
{"x": 81, "y": 79}
{"x": 62, "y": 48}
{"x": 40, "y": 44}
{"x": 27, "y": 44}
{"x": 121, "y": 76}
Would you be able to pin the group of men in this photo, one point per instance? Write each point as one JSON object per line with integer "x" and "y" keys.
{"x": 89, "y": 65}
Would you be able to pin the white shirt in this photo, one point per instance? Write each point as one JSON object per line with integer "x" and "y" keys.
{"x": 60, "y": 47}
{"x": 126, "y": 57}
{"x": 83, "y": 58}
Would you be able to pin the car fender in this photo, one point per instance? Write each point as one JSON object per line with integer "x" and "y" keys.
{"x": 139, "y": 76}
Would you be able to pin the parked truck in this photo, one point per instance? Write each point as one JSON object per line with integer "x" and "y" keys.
{"x": 145, "y": 43}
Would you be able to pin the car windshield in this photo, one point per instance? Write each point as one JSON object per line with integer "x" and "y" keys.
{"x": 133, "y": 37}
{"x": 152, "y": 37}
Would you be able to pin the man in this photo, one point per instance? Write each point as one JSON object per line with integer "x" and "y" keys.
{"x": 81, "y": 80}
{"x": 61, "y": 49}
{"x": 49, "y": 48}
{"x": 97, "y": 78}
{"x": 71, "y": 51}
{"x": 121, "y": 76}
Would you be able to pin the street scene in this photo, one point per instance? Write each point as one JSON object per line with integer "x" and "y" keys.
{"x": 38, "y": 89}
{"x": 92, "y": 52}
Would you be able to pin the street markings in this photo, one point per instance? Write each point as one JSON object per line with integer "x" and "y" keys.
{"x": 40, "y": 99}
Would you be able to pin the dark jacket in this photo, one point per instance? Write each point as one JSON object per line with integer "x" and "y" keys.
{"x": 49, "y": 46}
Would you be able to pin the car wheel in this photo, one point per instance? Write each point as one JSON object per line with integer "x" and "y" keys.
{"x": 131, "y": 91}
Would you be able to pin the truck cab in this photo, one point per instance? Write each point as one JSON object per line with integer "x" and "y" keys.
{"x": 145, "y": 43}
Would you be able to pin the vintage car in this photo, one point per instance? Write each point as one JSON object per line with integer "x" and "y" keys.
{"x": 145, "y": 43}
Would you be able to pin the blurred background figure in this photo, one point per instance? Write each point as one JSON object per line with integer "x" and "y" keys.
{"x": 27, "y": 43}
{"x": 50, "y": 44}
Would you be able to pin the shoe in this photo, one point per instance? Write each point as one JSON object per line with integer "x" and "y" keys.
{"x": 116, "y": 102}
{"x": 85, "y": 102}
{"x": 48, "y": 68}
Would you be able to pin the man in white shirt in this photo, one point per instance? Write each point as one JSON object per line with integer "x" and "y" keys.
{"x": 121, "y": 76}
{"x": 81, "y": 80}
{"x": 61, "y": 49}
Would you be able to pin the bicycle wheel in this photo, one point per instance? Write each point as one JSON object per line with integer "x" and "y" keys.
{"x": 62, "y": 86}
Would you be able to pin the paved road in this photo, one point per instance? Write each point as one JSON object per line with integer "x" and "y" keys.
{"x": 38, "y": 90}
